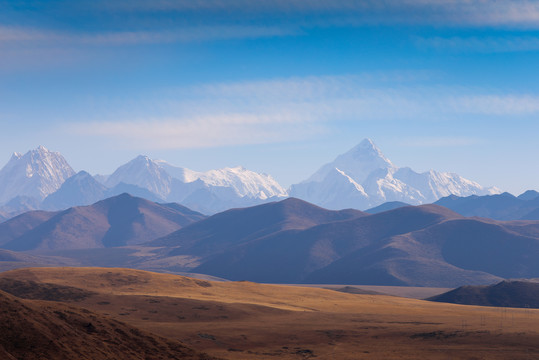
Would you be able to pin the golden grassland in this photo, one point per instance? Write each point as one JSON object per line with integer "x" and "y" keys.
{"x": 244, "y": 320}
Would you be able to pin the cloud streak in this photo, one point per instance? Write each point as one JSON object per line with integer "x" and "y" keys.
{"x": 440, "y": 141}
{"x": 201, "y": 132}
{"x": 21, "y": 36}
{"x": 515, "y": 13}
{"x": 481, "y": 44}
{"x": 280, "y": 110}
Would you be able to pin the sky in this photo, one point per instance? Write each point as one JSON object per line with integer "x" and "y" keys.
{"x": 279, "y": 87}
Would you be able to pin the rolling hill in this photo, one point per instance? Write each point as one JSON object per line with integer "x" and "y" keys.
{"x": 117, "y": 221}
{"x": 224, "y": 230}
{"x": 44, "y": 330}
{"x": 518, "y": 294}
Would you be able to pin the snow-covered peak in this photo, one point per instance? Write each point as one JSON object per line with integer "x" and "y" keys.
{"x": 176, "y": 183}
{"x": 37, "y": 174}
{"x": 378, "y": 180}
{"x": 244, "y": 182}
{"x": 357, "y": 163}
{"x": 42, "y": 149}
{"x": 368, "y": 153}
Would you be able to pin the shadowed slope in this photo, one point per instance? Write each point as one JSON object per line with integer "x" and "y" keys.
{"x": 17, "y": 226}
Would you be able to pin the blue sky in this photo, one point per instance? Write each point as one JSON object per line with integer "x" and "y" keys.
{"x": 279, "y": 87}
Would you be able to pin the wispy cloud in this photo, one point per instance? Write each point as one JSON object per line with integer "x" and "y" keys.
{"x": 279, "y": 110}
{"x": 517, "y": 13}
{"x": 190, "y": 34}
{"x": 440, "y": 141}
{"x": 201, "y": 132}
{"x": 481, "y": 44}
{"x": 486, "y": 104}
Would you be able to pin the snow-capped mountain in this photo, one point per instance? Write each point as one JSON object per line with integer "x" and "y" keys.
{"x": 36, "y": 174}
{"x": 208, "y": 192}
{"x": 145, "y": 173}
{"x": 363, "y": 178}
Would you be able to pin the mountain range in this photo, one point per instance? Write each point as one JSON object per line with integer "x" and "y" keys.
{"x": 425, "y": 245}
{"x": 362, "y": 178}
{"x": 289, "y": 241}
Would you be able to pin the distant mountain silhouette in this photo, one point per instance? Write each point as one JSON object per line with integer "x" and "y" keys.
{"x": 386, "y": 207}
{"x": 499, "y": 207}
{"x": 19, "y": 205}
{"x": 79, "y": 190}
{"x": 116, "y": 221}
{"x": 521, "y": 294}
{"x": 529, "y": 195}
{"x": 132, "y": 190}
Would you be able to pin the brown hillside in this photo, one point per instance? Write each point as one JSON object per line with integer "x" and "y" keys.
{"x": 43, "y": 330}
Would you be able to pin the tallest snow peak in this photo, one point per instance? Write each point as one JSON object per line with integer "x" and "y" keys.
{"x": 367, "y": 149}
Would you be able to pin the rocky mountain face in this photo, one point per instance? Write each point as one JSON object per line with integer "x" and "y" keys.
{"x": 364, "y": 178}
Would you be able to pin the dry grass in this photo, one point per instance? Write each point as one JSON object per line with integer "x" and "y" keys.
{"x": 243, "y": 320}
